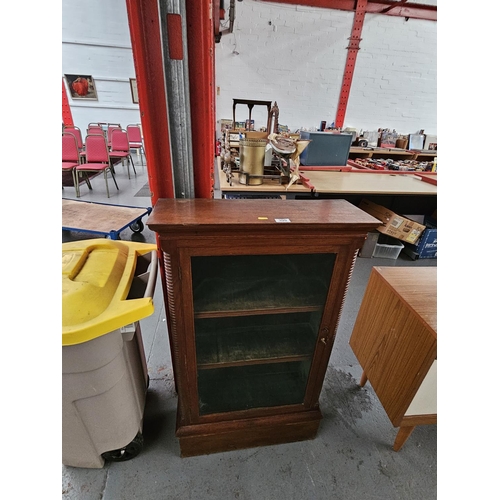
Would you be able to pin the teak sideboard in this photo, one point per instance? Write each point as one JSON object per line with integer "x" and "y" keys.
{"x": 395, "y": 341}
{"x": 254, "y": 291}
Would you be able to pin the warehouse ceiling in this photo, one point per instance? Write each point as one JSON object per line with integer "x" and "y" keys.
{"x": 400, "y": 8}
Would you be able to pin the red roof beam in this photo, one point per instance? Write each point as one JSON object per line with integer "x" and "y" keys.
{"x": 383, "y": 7}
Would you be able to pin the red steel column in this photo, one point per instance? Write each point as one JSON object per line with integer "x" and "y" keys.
{"x": 144, "y": 24}
{"x": 201, "y": 53}
{"x": 353, "y": 47}
{"x": 67, "y": 117}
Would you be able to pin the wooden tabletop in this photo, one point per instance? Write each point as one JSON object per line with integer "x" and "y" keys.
{"x": 340, "y": 183}
{"x": 98, "y": 216}
{"x": 368, "y": 183}
{"x": 417, "y": 287}
{"x": 208, "y": 215}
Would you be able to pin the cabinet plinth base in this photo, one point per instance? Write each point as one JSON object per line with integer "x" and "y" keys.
{"x": 203, "y": 439}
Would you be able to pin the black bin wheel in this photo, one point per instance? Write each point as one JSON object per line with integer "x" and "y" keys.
{"x": 137, "y": 226}
{"x": 127, "y": 452}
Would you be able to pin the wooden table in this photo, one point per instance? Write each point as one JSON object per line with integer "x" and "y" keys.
{"x": 368, "y": 183}
{"x": 395, "y": 341}
{"x": 406, "y": 194}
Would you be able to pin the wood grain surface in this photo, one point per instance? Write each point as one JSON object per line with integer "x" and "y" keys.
{"x": 395, "y": 334}
{"x": 368, "y": 183}
{"x": 250, "y": 232}
{"x": 97, "y": 216}
{"x": 262, "y": 215}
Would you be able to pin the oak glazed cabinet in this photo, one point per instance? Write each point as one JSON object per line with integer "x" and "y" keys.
{"x": 254, "y": 291}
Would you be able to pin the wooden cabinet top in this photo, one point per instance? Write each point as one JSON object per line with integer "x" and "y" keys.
{"x": 205, "y": 215}
{"x": 417, "y": 287}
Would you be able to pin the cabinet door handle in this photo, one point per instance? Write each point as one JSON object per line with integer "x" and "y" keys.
{"x": 323, "y": 340}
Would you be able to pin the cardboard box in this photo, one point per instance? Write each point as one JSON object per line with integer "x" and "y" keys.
{"x": 426, "y": 248}
{"x": 394, "y": 225}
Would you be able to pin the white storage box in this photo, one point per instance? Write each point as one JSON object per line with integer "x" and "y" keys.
{"x": 387, "y": 247}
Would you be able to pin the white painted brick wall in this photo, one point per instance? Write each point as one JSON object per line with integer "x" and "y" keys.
{"x": 96, "y": 41}
{"x": 299, "y": 62}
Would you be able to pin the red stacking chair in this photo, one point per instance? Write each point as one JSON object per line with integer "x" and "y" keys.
{"x": 79, "y": 138}
{"x": 94, "y": 129}
{"x": 97, "y": 158}
{"x": 111, "y": 127}
{"x": 77, "y": 133}
{"x": 135, "y": 139}
{"x": 120, "y": 148}
{"x": 71, "y": 159}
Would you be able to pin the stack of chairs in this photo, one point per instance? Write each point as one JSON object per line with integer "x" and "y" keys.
{"x": 135, "y": 139}
{"x": 71, "y": 159}
{"x": 97, "y": 158}
{"x": 120, "y": 148}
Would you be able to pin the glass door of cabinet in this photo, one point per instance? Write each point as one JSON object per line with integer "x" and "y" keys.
{"x": 256, "y": 324}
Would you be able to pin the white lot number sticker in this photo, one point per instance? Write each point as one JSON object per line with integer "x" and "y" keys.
{"x": 282, "y": 220}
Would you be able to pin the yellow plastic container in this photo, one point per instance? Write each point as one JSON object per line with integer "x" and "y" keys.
{"x": 107, "y": 286}
{"x": 102, "y": 287}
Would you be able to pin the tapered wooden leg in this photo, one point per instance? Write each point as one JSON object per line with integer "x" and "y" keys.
{"x": 403, "y": 435}
{"x": 363, "y": 379}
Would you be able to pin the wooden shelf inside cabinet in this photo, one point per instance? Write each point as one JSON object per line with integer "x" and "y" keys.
{"x": 232, "y": 343}
{"x": 237, "y": 389}
{"x": 253, "y": 309}
{"x": 255, "y": 290}
{"x": 253, "y": 284}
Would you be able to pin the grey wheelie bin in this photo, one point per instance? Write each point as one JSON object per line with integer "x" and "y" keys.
{"x": 107, "y": 287}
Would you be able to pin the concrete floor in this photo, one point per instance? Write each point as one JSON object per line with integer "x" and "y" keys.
{"x": 350, "y": 459}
